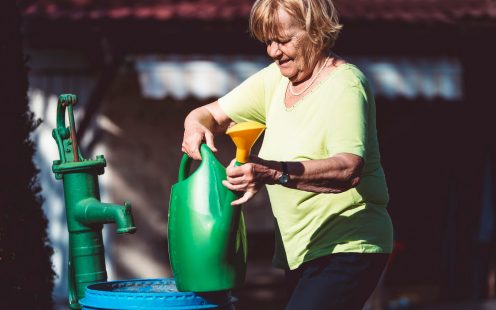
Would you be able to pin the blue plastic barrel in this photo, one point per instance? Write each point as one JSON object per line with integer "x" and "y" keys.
{"x": 151, "y": 294}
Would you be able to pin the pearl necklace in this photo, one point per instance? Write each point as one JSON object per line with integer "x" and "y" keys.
{"x": 310, "y": 83}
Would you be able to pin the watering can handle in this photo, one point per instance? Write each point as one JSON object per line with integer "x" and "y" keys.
{"x": 186, "y": 162}
{"x": 184, "y": 167}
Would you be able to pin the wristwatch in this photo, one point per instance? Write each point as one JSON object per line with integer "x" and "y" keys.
{"x": 284, "y": 178}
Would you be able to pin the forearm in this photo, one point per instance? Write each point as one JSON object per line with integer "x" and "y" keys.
{"x": 203, "y": 116}
{"x": 332, "y": 175}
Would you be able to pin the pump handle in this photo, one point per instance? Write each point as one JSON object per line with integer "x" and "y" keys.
{"x": 66, "y": 101}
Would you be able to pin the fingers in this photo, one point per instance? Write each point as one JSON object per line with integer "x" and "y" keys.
{"x": 241, "y": 179}
{"x": 240, "y": 174}
{"x": 209, "y": 139}
{"x": 192, "y": 139}
{"x": 241, "y": 187}
{"x": 191, "y": 150}
{"x": 238, "y": 179}
{"x": 247, "y": 196}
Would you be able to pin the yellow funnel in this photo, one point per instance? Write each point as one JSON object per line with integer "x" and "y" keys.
{"x": 244, "y": 136}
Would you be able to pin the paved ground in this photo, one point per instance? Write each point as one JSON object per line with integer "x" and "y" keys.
{"x": 488, "y": 305}
{"x": 264, "y": 287}
{"x": 265, "y": 296}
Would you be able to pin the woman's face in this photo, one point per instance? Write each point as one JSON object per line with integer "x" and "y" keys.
{"x": 285, "y": 51}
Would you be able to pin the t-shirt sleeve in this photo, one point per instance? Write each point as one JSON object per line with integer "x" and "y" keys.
{"x": 347, "y": 129}
{"x": 246, "y": 102}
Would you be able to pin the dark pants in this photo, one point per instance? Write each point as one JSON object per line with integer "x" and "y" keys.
{"x": 342, "y": 281}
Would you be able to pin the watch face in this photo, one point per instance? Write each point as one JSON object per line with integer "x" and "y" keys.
{"x": 283, "y": 179}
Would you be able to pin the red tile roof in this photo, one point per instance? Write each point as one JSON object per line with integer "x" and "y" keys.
{"x": 386, "y": 10}
{"x": 418, "y": 10}
{"x": 143, "y": 9}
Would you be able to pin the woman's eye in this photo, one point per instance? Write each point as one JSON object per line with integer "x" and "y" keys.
{"x": 280, "y": 42}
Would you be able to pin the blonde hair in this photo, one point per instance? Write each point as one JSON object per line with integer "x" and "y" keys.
{"x": 318, "y": 18}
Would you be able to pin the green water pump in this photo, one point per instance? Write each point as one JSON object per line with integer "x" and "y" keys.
{"x": 85, "y": 213}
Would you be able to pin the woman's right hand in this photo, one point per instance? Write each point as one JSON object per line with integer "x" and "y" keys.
{"x": 200, "y": 125}
{"x": 194, "y": 134}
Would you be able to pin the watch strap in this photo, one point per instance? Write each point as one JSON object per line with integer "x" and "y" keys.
{"x": 284, "y": 178}
{"x": 284, "y": 166}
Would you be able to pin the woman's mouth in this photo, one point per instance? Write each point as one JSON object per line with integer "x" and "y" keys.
{"x": 283, "y": 62}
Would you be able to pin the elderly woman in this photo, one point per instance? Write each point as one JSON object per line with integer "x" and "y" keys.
{"x": 319, "y": 158}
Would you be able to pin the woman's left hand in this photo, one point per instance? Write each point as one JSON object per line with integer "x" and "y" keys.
{"x": 247, "y": 178}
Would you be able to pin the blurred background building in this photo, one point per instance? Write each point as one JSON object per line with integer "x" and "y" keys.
{"x": 140, "y": 67}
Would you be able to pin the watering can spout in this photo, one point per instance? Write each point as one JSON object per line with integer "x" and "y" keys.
{"x": 244, "y": 136}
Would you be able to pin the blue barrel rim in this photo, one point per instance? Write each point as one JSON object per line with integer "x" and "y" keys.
{"x": 106, "y": 295}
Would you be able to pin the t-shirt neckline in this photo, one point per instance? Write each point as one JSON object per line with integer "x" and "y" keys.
{"x": 302, "y": 99}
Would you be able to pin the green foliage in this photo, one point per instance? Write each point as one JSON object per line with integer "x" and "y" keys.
{"x": 26, "y": 275}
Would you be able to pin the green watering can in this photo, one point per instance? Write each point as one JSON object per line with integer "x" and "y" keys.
{"x": 207, "y": 236}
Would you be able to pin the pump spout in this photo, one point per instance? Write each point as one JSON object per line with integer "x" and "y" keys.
{"x": 90, "y": 211}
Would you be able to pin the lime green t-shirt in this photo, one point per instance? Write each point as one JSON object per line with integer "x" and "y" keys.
{"x": 337, "y": 116}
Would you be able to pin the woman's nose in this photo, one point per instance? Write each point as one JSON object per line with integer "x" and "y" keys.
{"x": 273, "y": 49}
